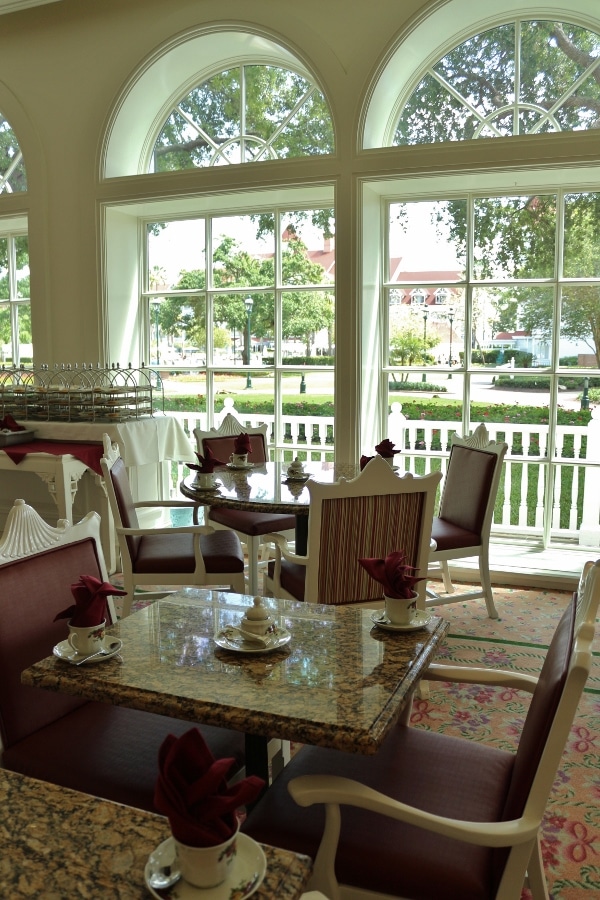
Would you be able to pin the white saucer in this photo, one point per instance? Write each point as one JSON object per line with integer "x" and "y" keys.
{"x": 240, "y": 468}
{"x": 229, "y": 639}
{"x": 420, "y": 619}
{"x": 66, "y": 652}
{"x": 206, "y": 490}
{"x": 304, "y": 477}
{"x": 245, "y": 875}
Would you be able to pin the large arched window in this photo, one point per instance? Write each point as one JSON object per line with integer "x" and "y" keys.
{"x": 523, "y": 77}
{"x": 247, "y": 113}
{"x": 12, "y": 167}
{"x": 487, "y": 272}
{"x": 233, "y": 290}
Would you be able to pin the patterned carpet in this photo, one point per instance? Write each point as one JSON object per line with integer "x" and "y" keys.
{"x": 517, "y": 639}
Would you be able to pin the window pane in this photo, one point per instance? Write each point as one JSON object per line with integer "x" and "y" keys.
{"x": 176, "y": 255}
{"x": 307, "y": 324}
{"x": 514, "y": 237}
{"x": 178, "y": 330}
{"x": 512, "y": 326}
{"x": 243, "y": 250}
{"x": 4, "y": 285}
{"x": 582, "y": 236}
{"x": 246, "y": 322}
{"x": 580, "y": 324}
{"x": 24, "y": 328}
{"x": 427, "y": 241}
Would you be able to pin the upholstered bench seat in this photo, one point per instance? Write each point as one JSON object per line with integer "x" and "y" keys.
{"x": 108, "y": 751}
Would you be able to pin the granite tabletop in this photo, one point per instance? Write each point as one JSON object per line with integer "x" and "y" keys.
{"x": 265, "y": 487}
{"x": 60, "y": 844}
{"x": 340, "y": 682}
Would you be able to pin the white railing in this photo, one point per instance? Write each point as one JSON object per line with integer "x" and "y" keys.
{"x": 521, "y": 497}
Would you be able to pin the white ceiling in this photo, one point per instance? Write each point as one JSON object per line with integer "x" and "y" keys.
{"x": 8, "y": 6}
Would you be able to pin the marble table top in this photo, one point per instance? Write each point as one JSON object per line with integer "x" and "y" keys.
{"x": 59, "y": 843}
{"x": 340, "y": 682}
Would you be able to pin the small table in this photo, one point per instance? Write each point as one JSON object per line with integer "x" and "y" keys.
{"x": 266, "y": 488}
{"x": 61, "y": 843}
{"x": 341, "y": 682}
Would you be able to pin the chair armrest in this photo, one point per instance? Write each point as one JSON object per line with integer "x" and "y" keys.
{"x": 183, "y": 529}
{"x": 282, "y": 547}
{"x": 165, "y": 504}
{"x": 331, "y": 789}
{"x": 478, "y": 675}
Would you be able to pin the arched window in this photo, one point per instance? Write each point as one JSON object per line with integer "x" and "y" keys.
{"x": 248, "y": 113}
{"x": 12, "y": 167}
{"x": 523, "y": 77}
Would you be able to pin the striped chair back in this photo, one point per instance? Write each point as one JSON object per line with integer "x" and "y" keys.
{"x": 372, "y": 515}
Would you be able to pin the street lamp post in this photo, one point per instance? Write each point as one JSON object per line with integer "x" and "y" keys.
{"x": 425, "y": 314}
{"x": 450, "y": 321}
{"x": 585, "y": 400}
{"x": 248, "y": 303}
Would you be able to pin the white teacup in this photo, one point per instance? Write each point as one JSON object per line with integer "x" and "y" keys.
{"x": 206, "y": 867}
{"x": 239, "y": 459}
{"x": 204, "y": 479}
{"x": 87, "y": 640}
{"x": 400, "y": 610}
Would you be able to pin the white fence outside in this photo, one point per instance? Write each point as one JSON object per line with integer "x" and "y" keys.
{"x": 575, "y": 492}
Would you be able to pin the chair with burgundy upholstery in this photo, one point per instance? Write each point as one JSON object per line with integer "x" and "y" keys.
{"x": 462, "y": 527}
{"x": 105, "y": 750}
{"x": 432, "y": 815}
{"x": 371, "y": 515}
{"x": 249, "y": 526}
{"x": 190, "y": 555}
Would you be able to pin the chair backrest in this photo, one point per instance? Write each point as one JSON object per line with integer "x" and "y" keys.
{"x": 221, "y": 439}
{"x": 553, "y": 705}
{"x": 118, "y": 490}
{"x": 471, "y": 482}
{"x": 371, "y": 515}
{"x": 33, "y": 589}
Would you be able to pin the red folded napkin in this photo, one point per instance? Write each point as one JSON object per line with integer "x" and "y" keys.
{"x": 386, "y": 449}
{"x": 90, "y": 601}
{"x": 364, "y": 460}
{"x": 397, "y": 578}
{"x": 242, "y": 444}
{"x": 9, "y": 424}
{"x": 191, "y": 790}
{"x": 208, "y": 463}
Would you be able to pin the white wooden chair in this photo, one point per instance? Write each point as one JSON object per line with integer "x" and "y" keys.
{"x": 431, "y": 815}
{"x": 250, "y": 527}
{"x": 463, "y": 524}
{"x": 371, "y": 515}
{"x": 189, "y": 555}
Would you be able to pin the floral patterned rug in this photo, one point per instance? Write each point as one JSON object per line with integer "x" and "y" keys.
{"x": 517, "y": 639}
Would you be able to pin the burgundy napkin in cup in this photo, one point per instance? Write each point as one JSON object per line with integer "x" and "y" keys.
{"x": 9, "y": 424}
{"x": 192, "y": 791}
{"x": 90, "y": 602}
{"x": 364, "y": 460}
{"x": 386, "y": 449}
{"x": 208, "y": 462}
{"x": 242, "y": 444}
{"x": 397, "y": 578}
